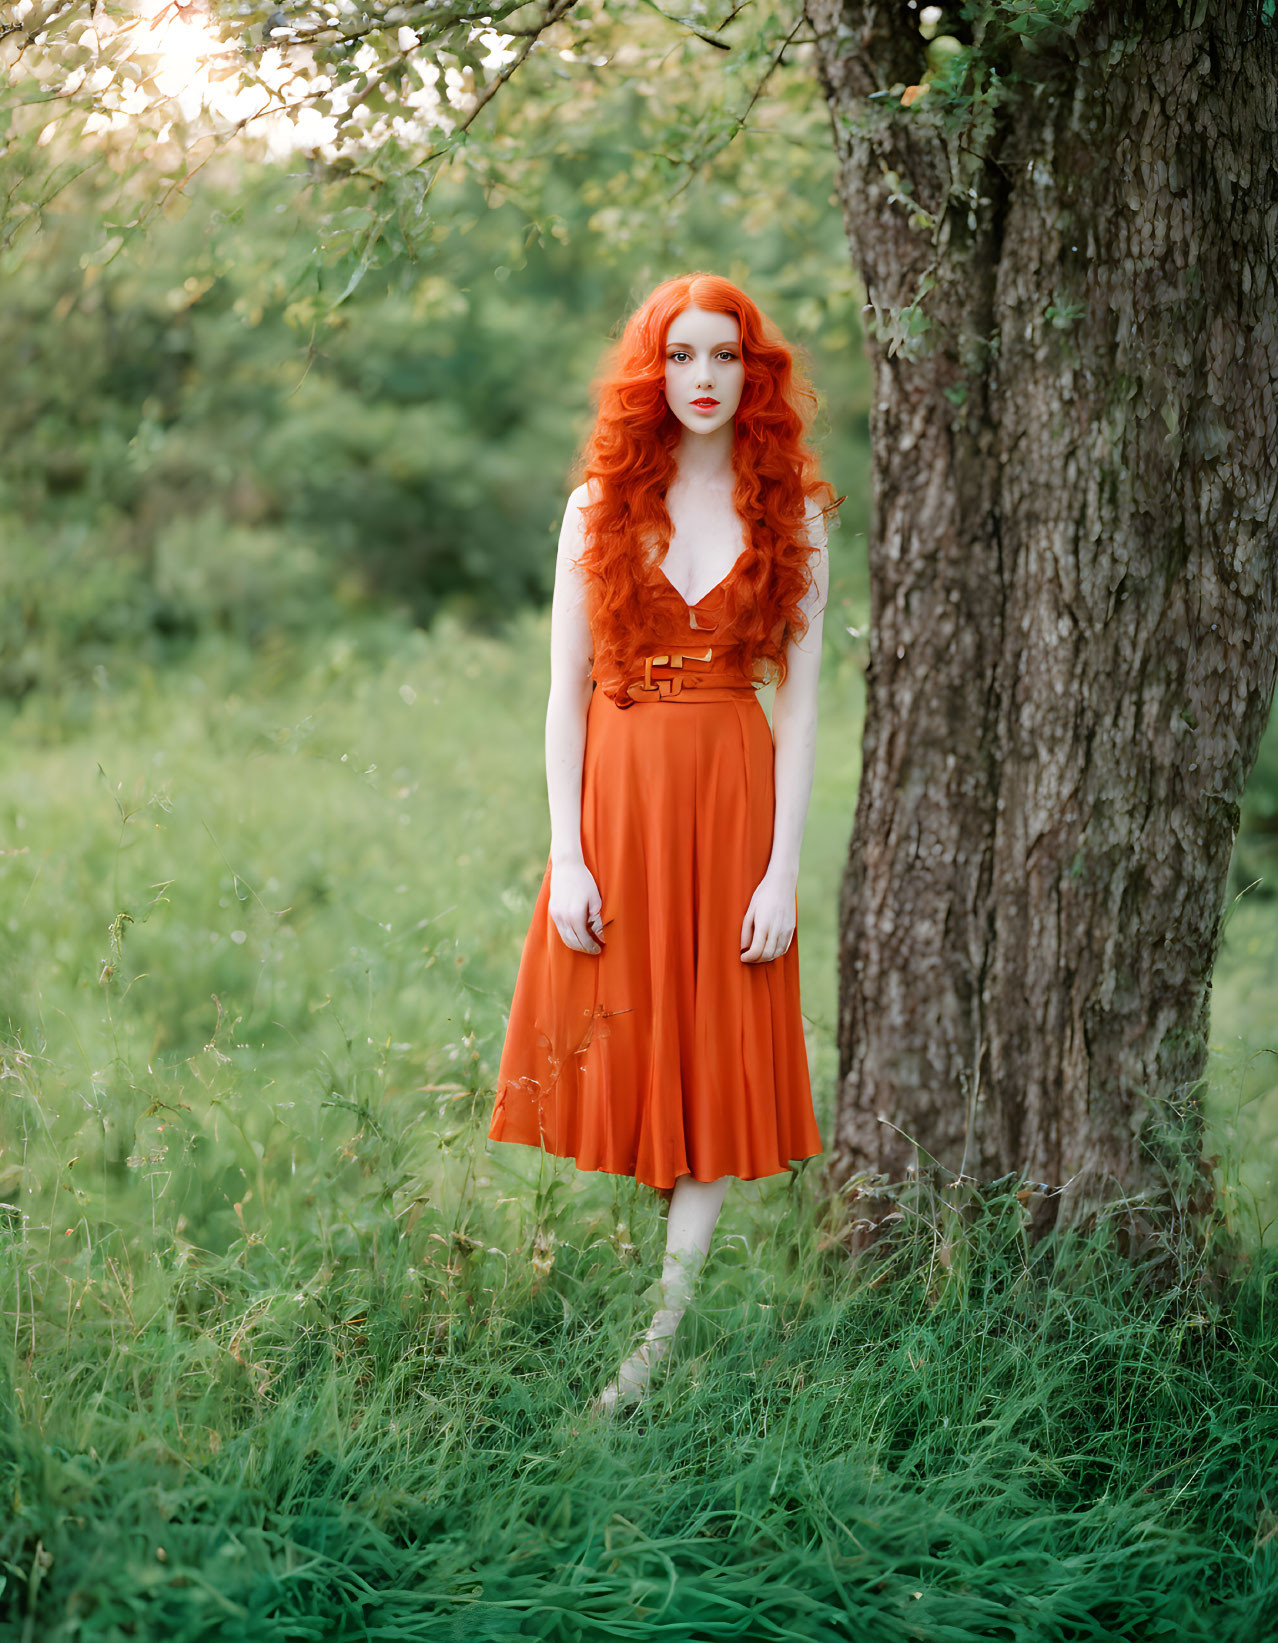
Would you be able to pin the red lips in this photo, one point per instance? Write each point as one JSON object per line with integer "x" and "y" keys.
{"x": 705, "y": 402}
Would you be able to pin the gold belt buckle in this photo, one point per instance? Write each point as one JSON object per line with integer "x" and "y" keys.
{"x": 667, "y": 688}
{"x": 664, "y": 689}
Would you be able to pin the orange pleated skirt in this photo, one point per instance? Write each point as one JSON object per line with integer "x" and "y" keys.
{"x": 665, "y": 1054}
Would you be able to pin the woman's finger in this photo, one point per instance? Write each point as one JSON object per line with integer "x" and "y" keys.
{"x": 572, "y": 934}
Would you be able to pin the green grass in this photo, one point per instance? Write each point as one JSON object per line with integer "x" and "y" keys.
{"x": 289, "y": 1350}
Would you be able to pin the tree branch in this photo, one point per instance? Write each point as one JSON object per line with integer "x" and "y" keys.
{"x": 707, "y": 155}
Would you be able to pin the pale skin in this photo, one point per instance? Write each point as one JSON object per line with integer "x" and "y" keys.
{"x": 703, "y": 360}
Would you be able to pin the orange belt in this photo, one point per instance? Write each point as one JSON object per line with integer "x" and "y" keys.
{"x": 702, "y": 684}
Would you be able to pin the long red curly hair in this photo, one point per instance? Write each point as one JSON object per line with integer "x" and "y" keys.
{"x": 630, "y": 458}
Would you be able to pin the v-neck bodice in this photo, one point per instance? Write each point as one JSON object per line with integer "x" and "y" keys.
{"x": 672, "y": 627}
{"x": 721, "y": 584}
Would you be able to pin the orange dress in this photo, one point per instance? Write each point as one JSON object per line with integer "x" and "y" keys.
{"x": 665, "y": 1054}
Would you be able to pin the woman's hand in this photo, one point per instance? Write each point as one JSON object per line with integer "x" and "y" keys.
{"x": 575, "y": 907}
{"x": 768, "y": 927}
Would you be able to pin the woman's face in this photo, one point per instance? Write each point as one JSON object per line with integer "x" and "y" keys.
{"x": 704, "y": 370}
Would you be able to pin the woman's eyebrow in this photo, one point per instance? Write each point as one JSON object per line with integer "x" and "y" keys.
{"x": 728, "y": 344}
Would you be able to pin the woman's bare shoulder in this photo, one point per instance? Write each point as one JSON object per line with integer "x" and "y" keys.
{"x": 584, "y": 493}
{"x": 572, "y": 534}
{"x": 817, "y": 524}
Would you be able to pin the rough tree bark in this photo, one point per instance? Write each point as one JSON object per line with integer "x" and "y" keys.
{"x": 1072, "y": 654}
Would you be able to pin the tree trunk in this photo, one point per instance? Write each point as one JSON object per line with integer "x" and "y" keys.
{"x": 1072, "y": 650}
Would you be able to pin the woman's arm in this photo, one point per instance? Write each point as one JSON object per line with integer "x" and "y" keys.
{"x": 575, "y": 902}
{"x": 768, "y": 927}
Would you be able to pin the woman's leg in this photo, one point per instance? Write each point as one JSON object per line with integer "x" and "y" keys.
{"x": 690, "y": 1222}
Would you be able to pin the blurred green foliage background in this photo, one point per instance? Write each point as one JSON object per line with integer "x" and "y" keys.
{"x": 191, "y": 443}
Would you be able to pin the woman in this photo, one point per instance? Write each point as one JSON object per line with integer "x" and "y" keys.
{"x": 655, "y": 1028}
